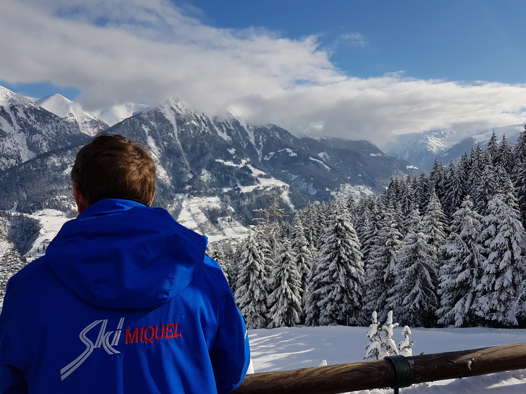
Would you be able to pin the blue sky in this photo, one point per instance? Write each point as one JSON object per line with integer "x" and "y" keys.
{"x": 348, "y": 68}
{"x": 455, "y": 40}
{"x": 462, "y": 40}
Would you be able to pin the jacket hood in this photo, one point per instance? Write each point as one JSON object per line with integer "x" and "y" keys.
{"x": 120, "y": 254}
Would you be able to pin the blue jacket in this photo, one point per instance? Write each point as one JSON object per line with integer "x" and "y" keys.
{"x": 123, "y": 301}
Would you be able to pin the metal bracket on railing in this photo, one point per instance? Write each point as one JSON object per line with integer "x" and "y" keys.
{"x": 404, "y": 374}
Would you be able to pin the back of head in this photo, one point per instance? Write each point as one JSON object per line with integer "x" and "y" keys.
{"x": 119, "y": 253}
{"x": 112, "y": 166}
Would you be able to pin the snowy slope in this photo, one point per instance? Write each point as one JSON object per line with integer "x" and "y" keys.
{"x": 302, "y": 347}
{"x": 50, "y": 221}
{"x": 72, "y": 111}
{"x": 195, "y": 213}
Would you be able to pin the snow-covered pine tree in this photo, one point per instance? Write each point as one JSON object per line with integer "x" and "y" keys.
{"x": 434, "y": 222}
{"x": 518, "y": 173}
{"x": 311, "y": 297}
{"x": 503, "y": 268}
{"x": 486, "y": 187}
{"x": 505, "y": 155}
{"x": 493, "y": 149}
{"x": 369, "y": 230}
{"x": 302, "y": 253}
{"x": 437, "y": 178}
{"x": 216, "y": 252}
{"x": 265, "y": 236}
{"x": 461, "y": 268}
{"x": 337, "y": 285}
{"x": 251, "y": 286}
{"x": 414, "y": 297}
{"x": 234, "y": 255}
{"x": 454, "y": 190}
{"x": 476, "y": 167}
{"x": 381, "y": 266}
{"x": 519, "y": 152}
{"x": 286, "y": 307}
{"x": 422, "y": 193}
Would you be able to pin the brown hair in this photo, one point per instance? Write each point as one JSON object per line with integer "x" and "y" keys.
{"x": 112, "y": 166}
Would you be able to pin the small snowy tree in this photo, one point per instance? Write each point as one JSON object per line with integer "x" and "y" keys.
{"x": 405, "y": 347}
{"x": 285, "y": 300}
{"x": 388, "y": 345}
{"x": 503, "y": 268}
{"x": 251, "y": 286}
{"x": 461, "y": 268}
{"x": 374, "y": 347}
{"x": 381, "y": 339}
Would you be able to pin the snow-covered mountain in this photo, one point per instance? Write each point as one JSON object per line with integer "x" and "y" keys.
{"x": 28, "y": 130}
{"x": 73, "y": 112}
{"x": 212, "y": 172}
{"x": 445, "y": 145}
{"x": 9, "y": 98}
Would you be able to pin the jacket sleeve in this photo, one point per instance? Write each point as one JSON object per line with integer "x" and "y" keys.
{"x": 230, "y": 353}
{"x": 12, "y": 379}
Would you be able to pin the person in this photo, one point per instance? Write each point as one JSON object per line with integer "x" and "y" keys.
{"x": 124, "y": 299}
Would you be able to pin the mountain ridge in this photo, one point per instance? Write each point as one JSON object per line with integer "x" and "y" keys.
{"x": 213, "y": 172}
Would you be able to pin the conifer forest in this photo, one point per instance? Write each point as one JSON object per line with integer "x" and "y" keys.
{"x": 446, "y": 248}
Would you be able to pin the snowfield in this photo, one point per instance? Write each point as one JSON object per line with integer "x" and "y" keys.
{"x": 303, "y": 347}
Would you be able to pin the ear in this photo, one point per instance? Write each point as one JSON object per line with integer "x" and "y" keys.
{"x": 80, "y": 200}
{"x": 152, "y": 200}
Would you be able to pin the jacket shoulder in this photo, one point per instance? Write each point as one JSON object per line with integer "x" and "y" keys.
{"x": 214, "y": 276}
{"x": 30, "y": 275}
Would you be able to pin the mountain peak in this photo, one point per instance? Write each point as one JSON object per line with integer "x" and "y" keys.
{"x": 55, "y": 97}
{"x": 8, "y": 97}
{"x": 73, "y": 111}
{"x": 176, "y": 104}
{"x": 60, "y": 105}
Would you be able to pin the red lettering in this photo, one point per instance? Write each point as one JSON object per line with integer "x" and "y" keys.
{"x": 152, "y": 333}
{"x": 129, "y": 338}
{"x": 177, "y": 334}
{"x": 149, "y": 337}
{"x": 169, "y": 329}
{"x": 157, "y": 332}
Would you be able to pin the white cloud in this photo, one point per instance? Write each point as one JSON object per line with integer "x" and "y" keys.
{"x": 355, "y": 39}
{"x": 148, "y": 50}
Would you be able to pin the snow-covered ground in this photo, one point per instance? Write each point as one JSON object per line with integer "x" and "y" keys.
{"x": 193, "y": 216}
{"x": 302, "y": 347}
{"x": 50, "y": 221}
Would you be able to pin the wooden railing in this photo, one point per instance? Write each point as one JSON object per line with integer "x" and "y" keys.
{"x": 385, "y": 373}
